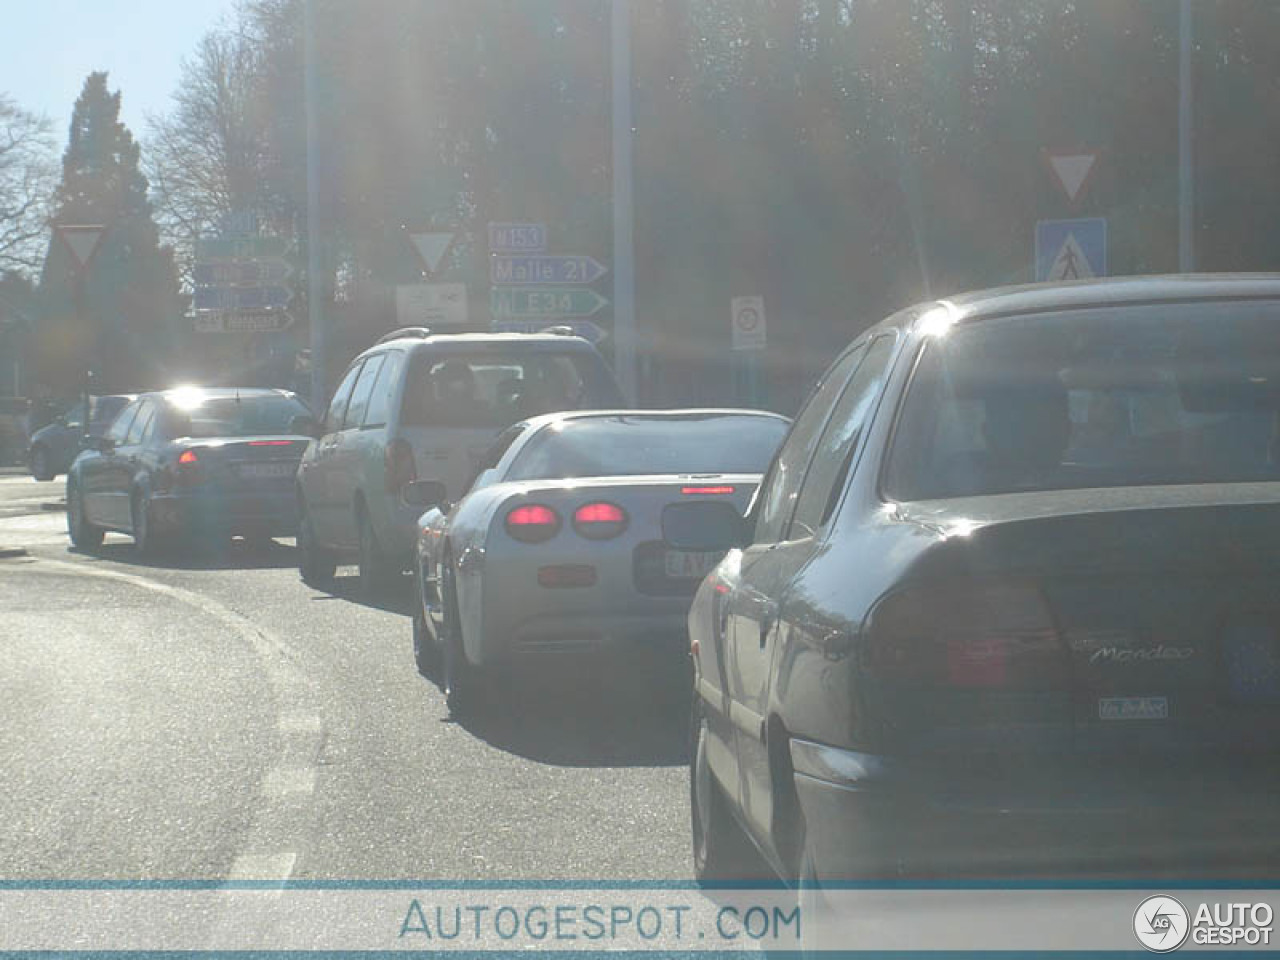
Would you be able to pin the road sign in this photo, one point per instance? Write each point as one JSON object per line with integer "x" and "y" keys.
{"x": 748, "y": 320}
{"x": 240, "y": 248}
{"x": 431, "y": 304}
{"x": 431, "y": 248}
{"x": 544, "y": 302}
{"x": 243, "y": 322}
{"x": 1072, "y": 169}
{"x": 517, "y": 237}
{"x": 239, "y": 299}
{"x": 1071, "y": 249}
{"x": 81, "y": 241}
{"x": 581, "y": 328}
{"x": 241, "y": 273}
{"x": 541, "y": 268}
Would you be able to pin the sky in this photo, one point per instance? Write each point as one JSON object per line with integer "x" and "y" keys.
{"x": 50, "y": 46}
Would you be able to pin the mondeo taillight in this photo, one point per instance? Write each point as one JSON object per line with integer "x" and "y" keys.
{"x": 599, "y": 521}
{"x": 533, "y": 523}
{"x": 400, "y": 466}
{"x": 967, "y": 634}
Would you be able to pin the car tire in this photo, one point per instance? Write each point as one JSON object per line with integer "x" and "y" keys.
{"x": 426, "y": 655}
{"x": 721, "y": 851}
{"x": 84, "y": 535}
{"x": 463, "y": 687}
{"x": 41, "y": 467}
{"x": 376, "y": 572}
{"x": 316, "y": 566}
{"x": 146, "y": 540}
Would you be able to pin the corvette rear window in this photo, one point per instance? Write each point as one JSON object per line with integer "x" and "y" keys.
{"x": 1124, "y": 396}
{"x": 630, "y": 445}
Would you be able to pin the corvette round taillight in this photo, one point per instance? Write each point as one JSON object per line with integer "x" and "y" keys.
{"x": 599, "y": 521}
{"x": 533, "y": 523}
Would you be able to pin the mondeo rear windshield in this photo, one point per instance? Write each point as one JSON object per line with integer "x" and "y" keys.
{"x": 235, "y": 417}
{"x": 1124, "y": 396}
{"x": 493, "y": 388}
{"x": 635, "y": 444}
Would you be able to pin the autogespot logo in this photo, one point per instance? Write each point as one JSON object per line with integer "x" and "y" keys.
{"x": 1161, "y": 924}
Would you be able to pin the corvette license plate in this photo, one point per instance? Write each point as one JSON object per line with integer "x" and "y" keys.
{"x": 267, "y": 471}
{"x": 685, "y": 565}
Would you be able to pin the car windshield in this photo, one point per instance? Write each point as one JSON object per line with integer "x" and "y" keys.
{"x": 497, "y": 388}
{"x": 635, "y": 444}
{"x": 1173, "y": 394}
{"x": 236, "y": 417}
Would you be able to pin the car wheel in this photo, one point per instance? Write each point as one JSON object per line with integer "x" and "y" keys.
{"x": 83, "y": 534}
{"x": 146, "y": 541}
{"x": 376, "y": 572}
{"x": 41, "y": 468}
{"x": 462, "y": 680}
{"x": 316, "y": 566}
{"x": 426, "y": 656}
{"x": 720, "y": 849}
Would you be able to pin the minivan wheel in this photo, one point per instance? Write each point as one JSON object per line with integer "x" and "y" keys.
{"x": 720, "y": 850}
{"x": 316, "y": 566}
{"x": 376, "y": 572}
{"x": 83, "y": 534}
{"x": 40, "y": 466}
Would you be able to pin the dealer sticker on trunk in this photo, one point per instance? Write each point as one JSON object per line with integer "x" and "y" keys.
{"x": 1133, "y": 708}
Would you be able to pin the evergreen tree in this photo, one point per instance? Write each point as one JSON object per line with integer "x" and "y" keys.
{"x": 124, "y": 327}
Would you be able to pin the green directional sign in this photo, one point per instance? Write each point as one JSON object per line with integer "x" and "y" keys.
{"x": 240, "y": 248}
{"x": 544, "y": 302}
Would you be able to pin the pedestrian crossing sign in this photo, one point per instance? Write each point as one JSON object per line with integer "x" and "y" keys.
{"x": 1071, "y": 249}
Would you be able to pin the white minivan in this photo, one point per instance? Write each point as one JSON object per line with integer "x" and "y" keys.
{"x": 422, "y": 407}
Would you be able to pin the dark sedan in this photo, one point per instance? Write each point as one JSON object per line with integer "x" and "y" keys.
{"x": 55, "y": 445}
{"x": 191, "y": 465}
{"x": 1004, "y": 605}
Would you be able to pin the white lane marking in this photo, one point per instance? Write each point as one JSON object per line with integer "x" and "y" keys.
{"x": 289, "y": 781}
{"x": 262, "y": 867}
{"x": 296, "y": 722}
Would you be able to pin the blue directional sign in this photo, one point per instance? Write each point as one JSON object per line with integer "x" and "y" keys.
{"x": 1071, "y": 249}
{"x": 541, "y": 268}
{"x": 517, "y": 237}
{"x": 582, "y": 328}
{"x": 241, "y": 273}
{"x": 544, "y": 302}
{"x": 272, "y": 297}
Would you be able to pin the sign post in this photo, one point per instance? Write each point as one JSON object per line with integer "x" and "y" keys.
{"x": 82, "y": 242}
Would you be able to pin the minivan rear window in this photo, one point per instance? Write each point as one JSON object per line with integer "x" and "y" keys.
{"x": 494, "y": 389}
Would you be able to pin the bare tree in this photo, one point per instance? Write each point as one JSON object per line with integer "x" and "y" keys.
{"x": 207, "y": 158}
{"x": 28, "y": 174}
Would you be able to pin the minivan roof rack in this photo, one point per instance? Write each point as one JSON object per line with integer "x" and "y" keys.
{"x": 559, "y": 330}
{"x": 405, "y": 333}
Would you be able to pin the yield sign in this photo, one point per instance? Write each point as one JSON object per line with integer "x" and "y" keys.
{"x": 431, "y": 248}
{"x": 1072, "y": 169}
{"x": 81, "y": 240}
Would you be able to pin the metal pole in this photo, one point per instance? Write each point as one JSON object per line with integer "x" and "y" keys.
{"x": 624, "y": 283}
{"x": 1186, "y": 185}
{"x": 315, "y": 260}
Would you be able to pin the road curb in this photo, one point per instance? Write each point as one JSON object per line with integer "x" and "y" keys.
{"x": 53, "y": 505}
{"x": 12, "y": 553}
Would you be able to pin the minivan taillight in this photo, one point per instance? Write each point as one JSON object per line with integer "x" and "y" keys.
{"x": 599, "y": 521}
{"x": 400, "y": 467}
{"x": 992, "y": 634}
{"x": 532, "y": 523}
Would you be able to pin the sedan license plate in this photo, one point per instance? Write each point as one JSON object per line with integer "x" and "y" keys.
{"x": 685, "y": 565}
{"x": 267, "y": 471}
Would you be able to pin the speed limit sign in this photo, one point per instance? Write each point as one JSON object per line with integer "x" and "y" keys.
{"x": 748, "y": 323}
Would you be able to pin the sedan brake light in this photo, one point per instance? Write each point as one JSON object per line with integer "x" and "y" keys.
{"x": 533, "y": 523}
{"x": 188, "y": 457}
{"x": 270, "y": 443}
{"x": 599, "y": 521}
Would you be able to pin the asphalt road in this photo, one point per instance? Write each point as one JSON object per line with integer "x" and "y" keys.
{"x": 213, "y": 717}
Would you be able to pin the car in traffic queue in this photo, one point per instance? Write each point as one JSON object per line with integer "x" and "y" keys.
{"x": 556, "y": 547}
{"x": 55, "y": 445}
{"x": 191, "y": 466}
{"x": 1004, "y": 606}
{"x": 422, "y": 405}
